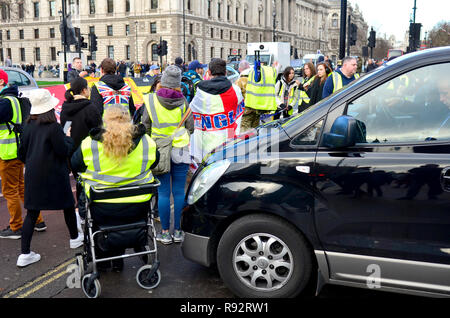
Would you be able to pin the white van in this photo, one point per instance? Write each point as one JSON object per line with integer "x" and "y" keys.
{"x": 311, "y": 58}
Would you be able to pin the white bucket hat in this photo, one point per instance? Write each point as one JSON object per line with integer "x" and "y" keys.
{"x": 42, "y": 101}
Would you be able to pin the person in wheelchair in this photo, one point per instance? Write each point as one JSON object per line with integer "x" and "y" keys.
{"x": 118, "y": 154}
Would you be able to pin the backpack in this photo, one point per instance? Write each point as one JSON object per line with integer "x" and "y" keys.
{"x": 187, "y": 88}
{"x": 25, "y": 108}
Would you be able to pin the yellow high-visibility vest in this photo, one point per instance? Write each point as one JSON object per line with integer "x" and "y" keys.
{"x": 261, "y": 95}
{"x": 8, "y": 142}
{"x": 337, "y": 81}
{"x": 106, "y": 172}
{"x": 303, "y": 95}
{"x": 164, "y": 121}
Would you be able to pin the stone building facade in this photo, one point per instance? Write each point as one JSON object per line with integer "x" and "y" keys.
{"x": 131, "y": 29}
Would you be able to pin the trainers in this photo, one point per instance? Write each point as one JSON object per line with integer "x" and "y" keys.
{"x": 75, "y": 243}
{"x": 164, "y": 238}
{"x": 177, "y": 236}
{"x": 10, "y": 234}
{"x": 27, "y": 259}
{"x": 40, "y": 227}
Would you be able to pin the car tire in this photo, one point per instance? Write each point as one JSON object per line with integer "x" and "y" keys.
{"x": 264, "y": 256}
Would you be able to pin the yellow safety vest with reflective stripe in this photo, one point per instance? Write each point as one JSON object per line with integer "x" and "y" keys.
{"x": 293, "y": 97}
{"x": 164, "y": 121}
{"x": 261, "y": 95}
{"x": 106, "y": 172}
{"x": 337, "y": 81}
{"x": 303, "y": 95}
{"x": 8, "y": 141}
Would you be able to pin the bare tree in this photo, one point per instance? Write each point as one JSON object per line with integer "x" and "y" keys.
{"x": 381, "y": 49}
{"x": 440, "y": 35}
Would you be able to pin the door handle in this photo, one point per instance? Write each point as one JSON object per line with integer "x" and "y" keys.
{"x": 303, "y": 169}
{"x": 445, "y": 179}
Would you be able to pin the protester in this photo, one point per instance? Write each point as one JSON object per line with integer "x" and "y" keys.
{"x": 195, "y": 73}
{"x": 127, "y": 156}
{"x": 179, "y": 64}
{"x": 77, "y": 70}
{"x": 154, "y": 71}
{"x": 217, "y": 110}
{"x": 341, "y": 77}
{"x": 315, "y": 91}
{"x": 309, "y": 74}
{"x": 163, "y": 112}
{"x": 45, "y": 151}
{"x": 286, "y": 93}
{"x": 11, "y": 168}
{"x": 8, "y": 62}
{"x": 111, "y": 89}
{"x": 241, "y": 82}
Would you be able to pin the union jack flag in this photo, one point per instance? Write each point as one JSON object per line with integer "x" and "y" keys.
{"x": 111, "y": 96}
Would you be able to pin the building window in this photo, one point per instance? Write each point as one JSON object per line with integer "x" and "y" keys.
{"x": 259, "y": 17}
{"x": 212, "y": 52}
{"x": 155, "y": 55}
{"x": 8, "y": 35}
{"x": 111, "y": 52}
{"x": 92, "y": 29}
{"x": 127, "y": 30}
{"x": 91, "y": 6}
{"x": 153, "y": 27}
{"x": 212, "y": 33}
{"x": 231, "y": 35}
{"x": 221, "y": 34}
{"x": 110, "y": 6}
{"x": 21, "y": 11}
{"x": 52, "y": 8}
{"x": 36, "y": 9}
{"x": 209, "y": 8}
{"x": 53, "y": 53}
{"x": 5, "y": 8}
{"x": 237, "y": 15}
{"x": 21, "y": 36}
{"x": 154, "y": 5}
{"x": 22, "y": 54}
{"x": 239, "y": 36}
{"x": 37, "y": 53}
{"x": 127, "y": 5}
{"x": 2, "y": 58}
{"x": 246, "y": 37}
{"x": 127, "y": 52}
{"x": 189, "y": 4}
{"x": 109, "y": 30}
{"x": 221, "y": 52}
{"x": 191, "y": 28}
{"x": 245, "y": 16}
{"x": 228, "y": 12}
{"x": 36, "y": 33}
{"x": 219, "y": 5}
{"x": 52, "y": 33}
{"x": 334, "y": 20}
{"x": 9, "y": 52}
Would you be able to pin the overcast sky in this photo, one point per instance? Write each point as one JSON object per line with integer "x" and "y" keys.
{"x": 392, "y": 16}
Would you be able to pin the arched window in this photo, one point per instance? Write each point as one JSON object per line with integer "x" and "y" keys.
{"x": 334, "y": 20}
{"x": 155, "y": 55}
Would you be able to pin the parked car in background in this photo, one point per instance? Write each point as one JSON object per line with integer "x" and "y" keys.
{"x": 354, "y": 191}
{"x": 22, "y": 79}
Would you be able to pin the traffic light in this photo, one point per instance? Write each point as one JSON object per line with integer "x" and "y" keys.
{"x": 92, "y": 42}
{"x": 163, "y": 48}
{"x": 353, "y": 33}
{"x": 159, "y": 49}
{"x": 414, "y": 36}
{"x": 372, "y": 39}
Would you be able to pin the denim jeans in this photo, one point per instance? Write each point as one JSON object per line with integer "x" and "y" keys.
{"x": 172, "y": 183}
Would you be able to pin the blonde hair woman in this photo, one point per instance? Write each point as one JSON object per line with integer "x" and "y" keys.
{"x": 115, "y": 155}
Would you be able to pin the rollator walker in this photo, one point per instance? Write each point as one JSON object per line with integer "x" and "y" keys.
{"x": 124, "y": 236}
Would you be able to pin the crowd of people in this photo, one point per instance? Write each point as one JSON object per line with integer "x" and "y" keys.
{"x": 111, "y": 142}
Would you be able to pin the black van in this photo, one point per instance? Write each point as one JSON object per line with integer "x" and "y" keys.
{"x": 354, "y": 191}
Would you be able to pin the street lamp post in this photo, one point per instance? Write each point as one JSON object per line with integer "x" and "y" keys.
{"x": 184, "y": 33}
{"x": 137, "y": 60}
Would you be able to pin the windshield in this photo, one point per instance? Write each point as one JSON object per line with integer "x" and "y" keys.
{"x": 263, "y": 58}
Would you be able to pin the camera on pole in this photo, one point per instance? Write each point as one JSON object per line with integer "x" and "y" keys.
{"x": 353, "y": 33}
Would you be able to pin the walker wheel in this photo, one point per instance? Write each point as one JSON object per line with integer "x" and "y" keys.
{"x": 141, "y": 277}
{"x": 93, "y": 290}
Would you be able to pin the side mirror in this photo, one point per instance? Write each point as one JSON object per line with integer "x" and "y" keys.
{"x": 345, "y": 132}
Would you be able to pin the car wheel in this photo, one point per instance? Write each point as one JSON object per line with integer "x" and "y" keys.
{"x": 264, "y": 256}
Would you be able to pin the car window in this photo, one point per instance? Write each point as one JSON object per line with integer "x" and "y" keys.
{"x": 15, "y": 78}
{"x": 25, "y": 80}
{"x": 229, "y": 72}
{"x": 412, "y": 107}
{"x": 310, "y": 136}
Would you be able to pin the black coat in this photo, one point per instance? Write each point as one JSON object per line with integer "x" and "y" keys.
{"x": 84, "y": 117}
{"x": 45, "y": 151}
{"x": 315, "y": 91}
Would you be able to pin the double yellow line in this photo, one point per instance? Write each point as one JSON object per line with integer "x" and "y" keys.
{"x": 40, "y": 282}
